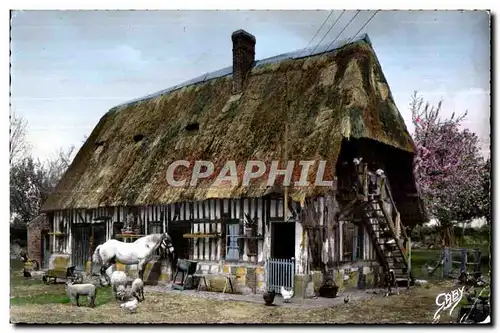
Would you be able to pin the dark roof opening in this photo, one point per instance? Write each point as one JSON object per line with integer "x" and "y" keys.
{"x": 192, "y": 127}
{"x": 99, "y": 143}
{"x": 138, "y": 137}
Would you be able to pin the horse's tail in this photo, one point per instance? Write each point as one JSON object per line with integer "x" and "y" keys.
{"x": 96, "y": 257}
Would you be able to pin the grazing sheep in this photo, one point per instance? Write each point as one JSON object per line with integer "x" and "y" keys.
{"x": 122, "y": 294}
{"x": 118, "y": 278}
{"x": 76, "y": 290}
{"x": 138, "y": 289}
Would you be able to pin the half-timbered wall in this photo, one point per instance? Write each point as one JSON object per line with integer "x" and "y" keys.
{"x": 337, "y": 241}
{"x": 203, "y": 217}
{"x": 206, "y": 217}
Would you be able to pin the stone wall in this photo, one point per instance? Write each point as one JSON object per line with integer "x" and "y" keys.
{"x": 346, "y": 278}
{"x": 250, "y": 278}
{"x": 35, "y": 230}
{"x": 246, "y": 278}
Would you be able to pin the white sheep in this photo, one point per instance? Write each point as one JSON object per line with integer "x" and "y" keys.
{"x": 131, "y": 306}
{"x": 138, "y": 289}
{"x": 118, "y": 278}
{"x": 121, "y": 293}
{"x": 74, "y": 291}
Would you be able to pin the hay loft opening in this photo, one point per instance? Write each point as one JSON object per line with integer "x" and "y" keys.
{"x": 138, "y": 138}
{"x": 192, "y": 127}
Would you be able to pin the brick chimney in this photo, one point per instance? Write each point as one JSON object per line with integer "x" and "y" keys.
{"x": 243, "y": 57}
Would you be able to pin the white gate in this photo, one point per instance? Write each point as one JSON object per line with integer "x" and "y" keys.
{"x": 280, "y": 272}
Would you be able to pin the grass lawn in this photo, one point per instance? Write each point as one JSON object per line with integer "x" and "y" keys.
{"x": 34, "y": 302}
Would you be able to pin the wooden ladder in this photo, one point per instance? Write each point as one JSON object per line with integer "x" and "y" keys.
{"x": 389, "y": 248}
{"x": 380, "y": 226}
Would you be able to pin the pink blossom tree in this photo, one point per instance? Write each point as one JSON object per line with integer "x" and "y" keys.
{"x": 448, "y": 167}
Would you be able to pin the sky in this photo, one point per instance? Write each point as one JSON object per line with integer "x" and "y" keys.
{"x": 68, "y": 68}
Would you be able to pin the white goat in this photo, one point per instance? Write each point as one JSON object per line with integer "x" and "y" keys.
{"x": 138, "y": 289}
{"x": 74, "y": 291}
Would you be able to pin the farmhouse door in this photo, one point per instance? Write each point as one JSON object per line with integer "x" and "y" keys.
{"x": 182, "y": 246}
{"x": 99, "y": 235}
{"x": 46, "y": 250}
{"x": 80, "y": 244}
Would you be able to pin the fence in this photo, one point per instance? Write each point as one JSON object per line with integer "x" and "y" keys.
{"x": 451, "y": 262}
{"x": 453, "y": 267}
{"x": 280, "y": 272}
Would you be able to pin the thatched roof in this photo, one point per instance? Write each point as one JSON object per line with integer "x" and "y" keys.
{"x": 339, "y": 93}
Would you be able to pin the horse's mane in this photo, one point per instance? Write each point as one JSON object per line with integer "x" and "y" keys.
{"x": 157, "y": 237}
{"x": 152, "y": 238}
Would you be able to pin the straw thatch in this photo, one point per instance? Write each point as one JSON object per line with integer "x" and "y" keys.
{"x": 323, "y": 99}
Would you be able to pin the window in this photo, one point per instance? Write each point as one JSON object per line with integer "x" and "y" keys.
{"x": 347, "y": 241}
{"x": 155, "y": 228}
{"x": 232, "y": 241}
{"x": 359, "y": 237}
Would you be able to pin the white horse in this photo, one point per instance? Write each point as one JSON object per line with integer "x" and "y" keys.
{"x": 139, "y": 252}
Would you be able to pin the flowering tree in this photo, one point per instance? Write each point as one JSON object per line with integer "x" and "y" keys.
{"x": 448, "y": 167}
{"x": 486, "y": 193}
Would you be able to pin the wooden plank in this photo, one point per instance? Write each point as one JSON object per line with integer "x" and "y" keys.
{"x": 224, "y": 217}
{"x": 196, "y": 229}
{"x": 321, "y": 208}
{"x": 213, "y": 228}
{"x": 219, "y": 209}
{"x": 280, "y": 209}
{"x": 240, "y": 217}
{"x": 272, "y": 211}
{"x": 245, "y": 211}
{"x": 206, "y": 225}
{"x": 208, "y": 228}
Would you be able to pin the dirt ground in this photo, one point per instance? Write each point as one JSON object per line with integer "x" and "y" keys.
{"x": 415, "y": 307}
{"x": 34, "y": 302}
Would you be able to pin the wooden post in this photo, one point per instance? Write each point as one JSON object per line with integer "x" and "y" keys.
{"x": 365, "y": 181}
{"x": 285, "y": 201}
{"x": 398, "y": 224}
{"x": 463, "y": 260}
{"x": 477, "y": 259}
{"x": 447, "y": 262}
{"x": 91, "y": 239}
{"x": 408, "y": 251}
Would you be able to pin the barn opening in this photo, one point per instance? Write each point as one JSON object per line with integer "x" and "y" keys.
{"x": 282, "y": 240}
{"x": 86, "y": 237}
{"x": 182, "y": 246}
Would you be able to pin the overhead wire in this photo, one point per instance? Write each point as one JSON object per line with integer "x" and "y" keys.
{"x": 334, "y": 23}
{"x": 324, "y": 22}
{"x": 364, "y": 25}
{"x": 340, "y": 33}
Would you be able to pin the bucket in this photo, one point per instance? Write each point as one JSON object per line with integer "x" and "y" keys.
{"x": 328, "y": 291}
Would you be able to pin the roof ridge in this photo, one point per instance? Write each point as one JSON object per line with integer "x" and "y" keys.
{"x": 226, "y": 71}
